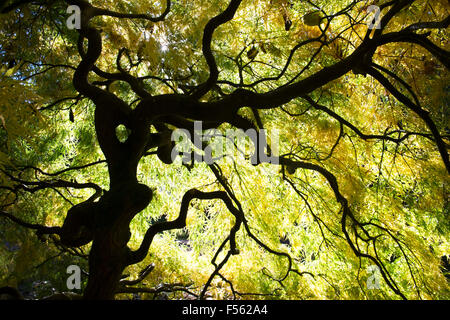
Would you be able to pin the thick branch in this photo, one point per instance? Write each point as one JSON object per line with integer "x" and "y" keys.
{"x": 180, "y": 221}
{"x": 346, "y": 213}
{"x": 110, "y": 13}
{"x": 211, "y": 26}
{"x": 423, "y": 114}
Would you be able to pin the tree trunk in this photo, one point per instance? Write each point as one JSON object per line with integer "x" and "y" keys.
{"x": 107, "y": 260}
{"x": 109, "y": 253}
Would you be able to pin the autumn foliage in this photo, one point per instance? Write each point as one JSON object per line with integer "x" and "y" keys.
{"x": 86, "y": 177}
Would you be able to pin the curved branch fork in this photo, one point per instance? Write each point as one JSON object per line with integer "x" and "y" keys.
{"x": 349, "y": 221}
{"x": 180, "y": 222}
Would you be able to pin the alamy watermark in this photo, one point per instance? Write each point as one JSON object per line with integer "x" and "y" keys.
{"x": 373, "y": 281}
{"x": 375, "y": 22}
{"x": 212, "y": 145}
{"x": 74, "y": 20}
{"x": 74, "y": 280}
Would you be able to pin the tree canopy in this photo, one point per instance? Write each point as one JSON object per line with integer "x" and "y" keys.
{"x": 356, "y": 114}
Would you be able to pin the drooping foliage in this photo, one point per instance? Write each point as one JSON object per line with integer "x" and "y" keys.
{"x": 361, "y": 114}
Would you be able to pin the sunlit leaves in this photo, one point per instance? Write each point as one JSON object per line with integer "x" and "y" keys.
{"x": 401, "y": 187}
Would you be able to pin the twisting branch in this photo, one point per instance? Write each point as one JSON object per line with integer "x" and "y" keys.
{"x": 57, "y": 173}
{"x": 142, "y": 275}
{"x": 40, "y": 229}
{"x": 423, "y": 114}
{"x": 164, "y": 287}
{"x": 211, "y": 26}
{"x": 397, "y": 6}
{"x": 430, "y": 25}
{"x": 110, "y": 13}
{"x": 217, "y": 268}
{"x": 180, "y": 222}
{"x": 33, "y": 186}
{"x": 422, "y": 40}
{"x": 51, "y": 105}
{"x": 387, "y": 136}
{"x": 347, "y": 214}
{"x": 217, "y": 172}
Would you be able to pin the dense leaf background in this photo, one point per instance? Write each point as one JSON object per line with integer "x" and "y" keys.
{"x": 398, "y": 189}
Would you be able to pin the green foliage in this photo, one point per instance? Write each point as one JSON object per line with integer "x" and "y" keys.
{"x": 400, "y": 190}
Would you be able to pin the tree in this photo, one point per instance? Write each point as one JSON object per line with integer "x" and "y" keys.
{"x": 363, "y": 142}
